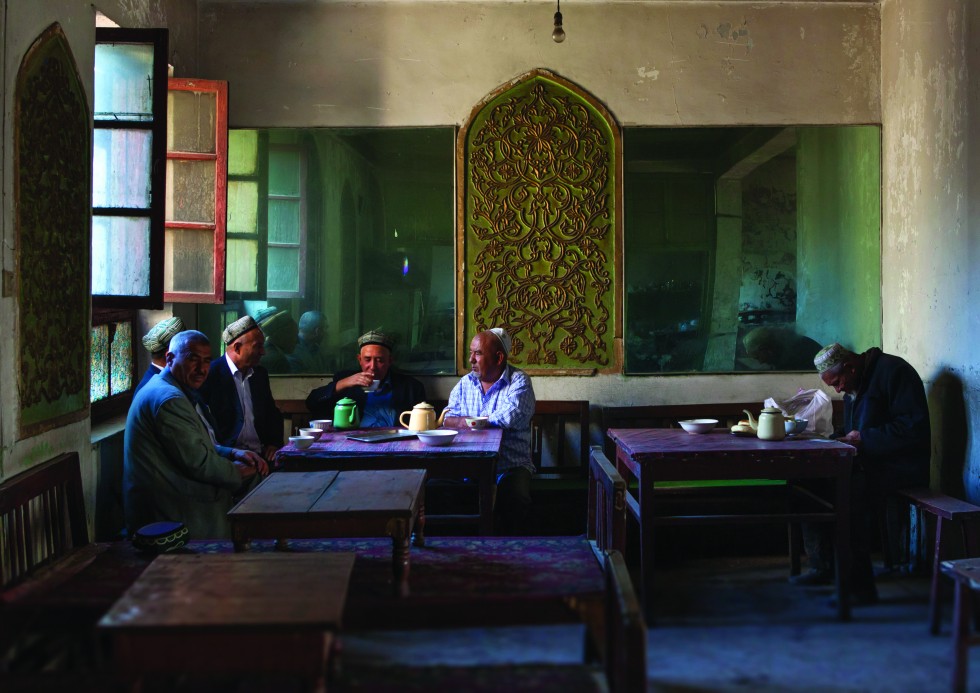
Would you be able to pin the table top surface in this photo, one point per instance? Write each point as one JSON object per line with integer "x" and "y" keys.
{"x": 468, "y": 443}
{"x": 234, "y": 590}
{"x": 347, "y": 493}
{"x": 640, "y": 443}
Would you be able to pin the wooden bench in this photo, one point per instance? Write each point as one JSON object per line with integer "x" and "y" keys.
{"x": 607, "y": 504}
{"x": 949, "y": 513}
{"x": 965, "y": 574}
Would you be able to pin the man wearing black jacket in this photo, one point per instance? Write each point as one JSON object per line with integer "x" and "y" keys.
{"x": 886, "y": 417}
{"x": 396, "y": 392}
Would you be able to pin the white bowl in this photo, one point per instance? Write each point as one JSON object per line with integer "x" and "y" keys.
{"x": 323, "y": 424}
{"x": 698, "y": 425}
{"x": 302, "y": 442}
{"x": 795, "y": 426}
{"x": 437, "y": 437}
{"x": 477, "y": 422}
{"x": 315, "y": 432}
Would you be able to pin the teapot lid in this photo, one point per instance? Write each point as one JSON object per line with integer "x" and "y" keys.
{"x": 772, "y": 410}
{"x": 345, "y": 402}
{"x": 423, "y": 405}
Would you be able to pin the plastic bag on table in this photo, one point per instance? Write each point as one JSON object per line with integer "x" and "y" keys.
{"x": 813, "y": 405}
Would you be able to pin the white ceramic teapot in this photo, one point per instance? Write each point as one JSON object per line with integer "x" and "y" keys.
{"x": 422, "y": 417}
{"x": 771, "y": 424}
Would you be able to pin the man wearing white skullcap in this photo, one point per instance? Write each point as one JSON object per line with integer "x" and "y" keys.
{"x": 156, "y": 342}
{"x": 886, "y": 417}
{"x": 495, "y": 389}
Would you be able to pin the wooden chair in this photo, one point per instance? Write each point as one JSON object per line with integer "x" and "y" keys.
{"x": 549, "y": 424}
{"x": 607, "y": 504}
{"x": 626, "y": 632}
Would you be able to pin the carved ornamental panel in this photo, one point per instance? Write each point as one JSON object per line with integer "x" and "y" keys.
{"x": 540, "y": 232}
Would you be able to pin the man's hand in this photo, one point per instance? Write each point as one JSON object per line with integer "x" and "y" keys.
{"x": 361, "y": 380}
{"x": 269, "y": 453}
{"x": 249, "y": 463}
{"x": 852, "y": 438}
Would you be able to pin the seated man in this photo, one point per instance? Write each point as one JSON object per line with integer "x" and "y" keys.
{"x": 238, "y": 392}
{"x": 886, "y": 417}
{"x": 308, "y": 356}
{"x": 172, "y": 469}
{"x": 504, "y": 394}
{"x": 397, "y": 392}
{"x": 155, "y": 341}
{"x": 280, "y": 332}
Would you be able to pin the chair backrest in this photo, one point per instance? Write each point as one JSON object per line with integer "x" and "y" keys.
{"x": 626, "y": 632}
{"x": 42, "y": 517}
{"x": 607, "y": 503}
{"x": 548, "y": 424}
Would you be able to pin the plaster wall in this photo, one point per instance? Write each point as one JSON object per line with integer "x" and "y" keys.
{"x": 930, "y": 65}
{"x": 651, "y": 63}
{"x": 23, "y": 21}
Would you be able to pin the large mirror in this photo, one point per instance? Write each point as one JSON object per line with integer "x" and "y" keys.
{"x": 341, "y": 231}
{"x": 746, "y": 249}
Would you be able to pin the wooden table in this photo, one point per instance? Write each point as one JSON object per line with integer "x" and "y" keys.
{"x": 334, "y": 504}
{"x": 231, "y": 614}
{"x": 472, "y": 455}
{"x": 652, "y": 455}
{"x": 965, "y": 573}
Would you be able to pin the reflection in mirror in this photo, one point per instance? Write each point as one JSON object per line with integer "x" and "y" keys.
{"x": 334, "y": 232}
{"x": 748, "y": 248}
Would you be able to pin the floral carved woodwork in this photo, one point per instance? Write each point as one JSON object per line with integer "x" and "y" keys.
{"x": 541, "y": 225}
{"x": 52, "y": 175}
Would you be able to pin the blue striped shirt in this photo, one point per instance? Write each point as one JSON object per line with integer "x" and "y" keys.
{"x": 510, "y": 405}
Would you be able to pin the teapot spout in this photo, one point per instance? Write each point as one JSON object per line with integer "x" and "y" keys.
{"x": 442, "y": 417}
{"x": 752, "y": 422}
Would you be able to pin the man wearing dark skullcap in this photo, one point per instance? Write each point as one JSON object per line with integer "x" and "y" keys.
{"x": 396, "y": 392}
{"x": 238, "y": 392}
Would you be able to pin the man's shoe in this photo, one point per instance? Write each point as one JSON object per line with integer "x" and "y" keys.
{"x": 811, "y": 578}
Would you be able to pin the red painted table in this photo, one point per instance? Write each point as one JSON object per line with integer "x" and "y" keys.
{"x": 472, "y": 455}
{"x": 652, "y": 455}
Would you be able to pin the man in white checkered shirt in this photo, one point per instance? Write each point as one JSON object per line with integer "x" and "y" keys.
{"x": 497, "y": 390}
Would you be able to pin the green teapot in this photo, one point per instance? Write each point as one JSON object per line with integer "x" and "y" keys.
{"x": 345, "y": 414}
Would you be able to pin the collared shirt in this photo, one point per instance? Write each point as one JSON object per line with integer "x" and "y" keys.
{"x": 248, "y": 437}
{"x": 510, "y": 405}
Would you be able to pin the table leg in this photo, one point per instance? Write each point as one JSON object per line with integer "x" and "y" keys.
{"x": 240, "y": 538}
{"x": 487, "y": 483}
{"x": 842, "y": 545}
{"x": 400, "y": 562}
{"x": 961, "y": 634}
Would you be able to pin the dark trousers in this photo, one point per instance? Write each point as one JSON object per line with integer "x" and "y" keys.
{"x": 512, "y": 510}
{"x": 870, "y": 487}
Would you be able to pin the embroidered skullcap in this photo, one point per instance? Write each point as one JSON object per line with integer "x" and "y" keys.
{"x": 238, "y": 328}
{"x": 264, "y": 314}
{"x": 829, "y": 357}
{"x": 504, "y": 338}
{"x": 375, "y": 337}
{"x": 159, "y": 336}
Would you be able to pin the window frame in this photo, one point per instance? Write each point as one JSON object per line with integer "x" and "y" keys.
{"x": 261, "y": 179}
{"x": 303, "y": 199}
{"x": 220, "y": 159}
{"x": 116, "y": 405}
{"x": 155, "y": 213}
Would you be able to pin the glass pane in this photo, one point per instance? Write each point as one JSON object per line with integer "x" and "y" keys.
{"x": 243, "y": 207}
{"x": 376, "y": 242}
{"x": 191, "y": 121}
{"x": 284, "y": 221}
{"x": 121, "y": 168}
{"x": 123, "y": 81}
{"x": 284, "y": 172}
{"x": 190, "y": 191}
{"x": 121, "y": 359}
{"x": 99, "y": 388}
{"x": 243, "y": 152}
{"x": 120, "y": 237}
{"x": 189, "y": 261}
{"x": 714, "y": 274}
{"x": 283, "y": 269}
{"x": 241, "y": 265}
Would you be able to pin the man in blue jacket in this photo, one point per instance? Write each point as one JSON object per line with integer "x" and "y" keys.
{"x": 886, "y": 417}
{"x": 238, "y": 392}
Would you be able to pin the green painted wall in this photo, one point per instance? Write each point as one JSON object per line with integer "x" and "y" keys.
{"x": 839, "y": 223}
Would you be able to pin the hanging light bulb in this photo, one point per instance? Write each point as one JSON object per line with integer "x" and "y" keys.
{"x": 558, "y": 35}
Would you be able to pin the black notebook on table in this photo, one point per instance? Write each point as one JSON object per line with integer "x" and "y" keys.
{"x": 381, "y": 436}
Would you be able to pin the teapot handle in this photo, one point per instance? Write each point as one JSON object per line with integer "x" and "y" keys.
{"x": 355, "y": 416}
{"x": 401, "y": 418}
{"x": 442, "y": 417}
